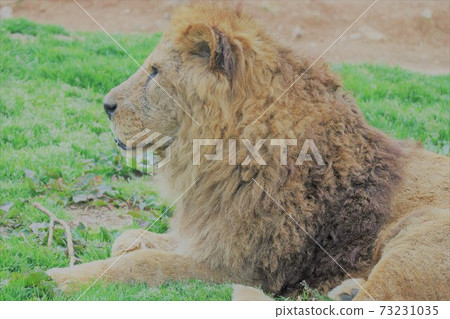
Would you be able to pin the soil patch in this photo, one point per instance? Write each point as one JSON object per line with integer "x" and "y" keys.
{"x": 96, "y": 217}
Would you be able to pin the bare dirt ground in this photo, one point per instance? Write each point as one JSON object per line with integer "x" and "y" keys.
{"x": 95, "y": 217}
{"x": 411, "y": 34}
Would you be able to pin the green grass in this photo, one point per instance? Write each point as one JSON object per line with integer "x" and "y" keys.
{"x": 55, "y": 145}
{"x": 405, "y": 105}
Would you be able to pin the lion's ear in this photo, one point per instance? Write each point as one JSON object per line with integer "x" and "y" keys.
{"x": 211, "y": 43}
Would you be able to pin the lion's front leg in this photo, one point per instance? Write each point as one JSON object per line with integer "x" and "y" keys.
{"x": 79, "y": 274}
{"x": 151, "y": 266}
{"x": 136, "y": 239}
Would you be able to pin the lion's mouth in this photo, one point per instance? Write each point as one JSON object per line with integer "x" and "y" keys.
{"x": 123, "y": 146}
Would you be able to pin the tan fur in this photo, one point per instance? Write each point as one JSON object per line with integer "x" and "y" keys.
{"x": 245, "y": 293}
{"x": 365, "y": 206}
{"x": 414, "y": 261}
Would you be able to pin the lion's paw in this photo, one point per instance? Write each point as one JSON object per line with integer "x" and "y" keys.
{"x": 347, "y": 290}
{"x": 60, "y": 276}
{"x": 71, "y": 278}
{"x": 246, "y": 293}
{"x": 130, "y": 240}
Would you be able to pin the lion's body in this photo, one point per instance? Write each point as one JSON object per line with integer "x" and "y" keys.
{"x": 426, "y": 182}
{"x": 410, "y": 258}
{"x": 275, "y": 225}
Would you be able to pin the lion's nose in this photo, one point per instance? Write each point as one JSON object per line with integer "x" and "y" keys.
{"x": 110, "y": 108}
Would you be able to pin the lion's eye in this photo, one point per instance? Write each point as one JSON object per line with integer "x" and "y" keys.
{"x": 154, "y": 72}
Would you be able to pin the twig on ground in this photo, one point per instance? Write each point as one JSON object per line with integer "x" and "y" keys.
{"x": 50, "y": 231}
{"x": 54, "y": 219}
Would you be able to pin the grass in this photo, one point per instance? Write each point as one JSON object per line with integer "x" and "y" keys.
{"x": 56, "y": 147}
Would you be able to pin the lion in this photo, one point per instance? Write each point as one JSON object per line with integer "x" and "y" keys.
{"x": 370, "y": 223}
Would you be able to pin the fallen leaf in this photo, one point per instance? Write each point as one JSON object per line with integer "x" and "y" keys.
{"x": 36, "y": 229}
{"x": 80, "y": 197}
{"x": 35, "y": 278}
{"x": 6, "y": 207}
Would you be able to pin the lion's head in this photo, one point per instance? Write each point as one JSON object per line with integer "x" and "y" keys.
{"x": 209, "y": 60}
